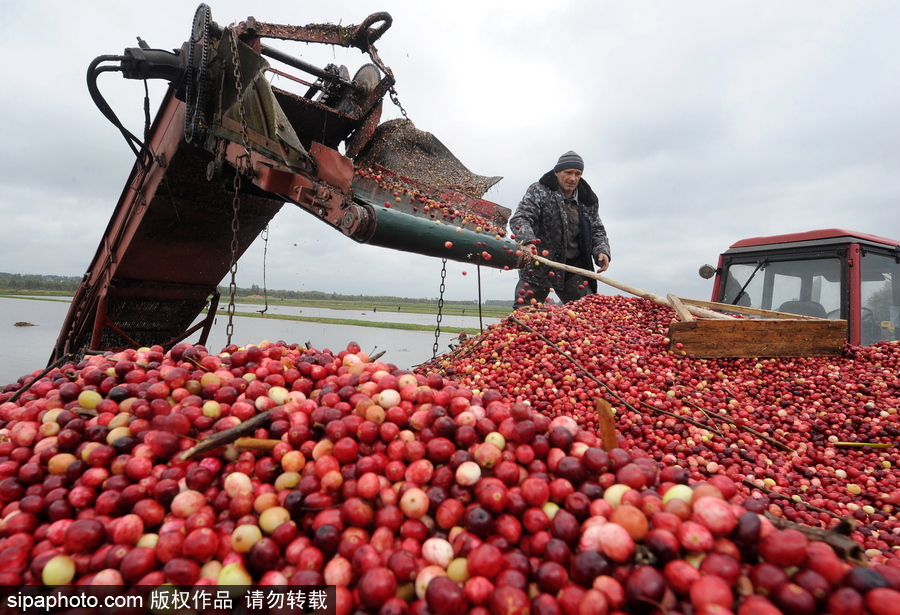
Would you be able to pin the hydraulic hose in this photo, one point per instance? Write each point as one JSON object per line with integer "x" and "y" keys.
{"x": 94, "y": 70}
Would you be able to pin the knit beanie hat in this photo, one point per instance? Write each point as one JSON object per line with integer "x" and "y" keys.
{"x": 569, "y": 160}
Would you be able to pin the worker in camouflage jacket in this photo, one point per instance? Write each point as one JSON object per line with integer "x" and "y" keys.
{"x": 558, "y": 219}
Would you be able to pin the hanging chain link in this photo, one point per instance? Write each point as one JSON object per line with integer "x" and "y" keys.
{"x": 396, "y": 100}
{"x": 265, "y": 238}
{"x": 480, "y": 321}
{"x": 235, "y": 227}
{"x": 437, "y": 328}
{"x": 236, "y": 201}
{"x": 239, "y": 87}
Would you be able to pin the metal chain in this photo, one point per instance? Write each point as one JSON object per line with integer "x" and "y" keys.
{"x": 480, "y": 321}
{"x": 235, "y": 227}
{"x": 265, "y": 238}
{"x": 236, "y": 201}
{"x": 437, "y": 328}
{"x": 239, "y": 86}
{"x": 396, "y": 100}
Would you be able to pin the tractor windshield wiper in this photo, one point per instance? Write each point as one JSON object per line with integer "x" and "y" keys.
{"x": 742, "y": 292}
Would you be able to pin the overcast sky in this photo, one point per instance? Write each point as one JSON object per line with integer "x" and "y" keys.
{"x": 700, "y": 123}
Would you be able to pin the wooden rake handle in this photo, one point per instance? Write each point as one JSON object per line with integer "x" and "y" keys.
{"x": 696, "y": 311}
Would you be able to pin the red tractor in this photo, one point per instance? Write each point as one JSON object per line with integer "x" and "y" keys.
{"x": 829, "y": 273}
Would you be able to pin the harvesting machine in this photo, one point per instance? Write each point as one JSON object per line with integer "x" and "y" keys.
{"x": 228, "y": 147}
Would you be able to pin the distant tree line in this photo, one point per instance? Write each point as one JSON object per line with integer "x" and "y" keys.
{"x": 19, "y": 282}
{"x": 15, "y": 282}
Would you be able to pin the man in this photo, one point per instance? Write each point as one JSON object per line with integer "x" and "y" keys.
{"x": 558, "y": 218}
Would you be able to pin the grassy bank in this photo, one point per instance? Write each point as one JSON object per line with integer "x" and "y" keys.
{"x": 42, "y": 296}
{"x": 424, "y": 307}
{"x": 404, "y": 326}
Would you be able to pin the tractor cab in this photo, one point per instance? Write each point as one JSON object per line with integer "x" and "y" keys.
{"x": 830, "y": 273}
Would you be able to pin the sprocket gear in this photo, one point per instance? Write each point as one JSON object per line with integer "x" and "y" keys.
{"x": 196, "y": 77}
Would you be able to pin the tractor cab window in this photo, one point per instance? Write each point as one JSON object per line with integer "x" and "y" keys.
{"x": 808, "y": 287}
{"x": 879, "y": 298}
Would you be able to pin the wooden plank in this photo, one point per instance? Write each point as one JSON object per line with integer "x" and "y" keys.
{"x": 743, "y": 309}
{"x": 679, "y": 307}
{"x": 607, "y": 423}
{"x": 758, "y": 338}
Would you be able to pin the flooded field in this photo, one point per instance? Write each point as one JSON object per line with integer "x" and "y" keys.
{"x": 24, "y": 349}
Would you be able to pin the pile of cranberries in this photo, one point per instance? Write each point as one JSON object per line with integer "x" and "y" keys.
{"x": 817, "y": 415}
{"x": 409, "y": 492}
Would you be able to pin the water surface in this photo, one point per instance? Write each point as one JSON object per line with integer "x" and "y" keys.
{"x": 24, "y": 350}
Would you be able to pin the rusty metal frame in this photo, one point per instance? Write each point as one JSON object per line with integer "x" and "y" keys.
{"x": 362, "y": 37}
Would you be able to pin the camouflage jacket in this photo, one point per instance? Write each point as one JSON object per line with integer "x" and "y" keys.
{"x": 542, "y": 215}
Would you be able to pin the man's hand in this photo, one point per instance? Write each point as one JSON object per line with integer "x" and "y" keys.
{"x": 602, "y": 263}
{"x": 529, "y": 248}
